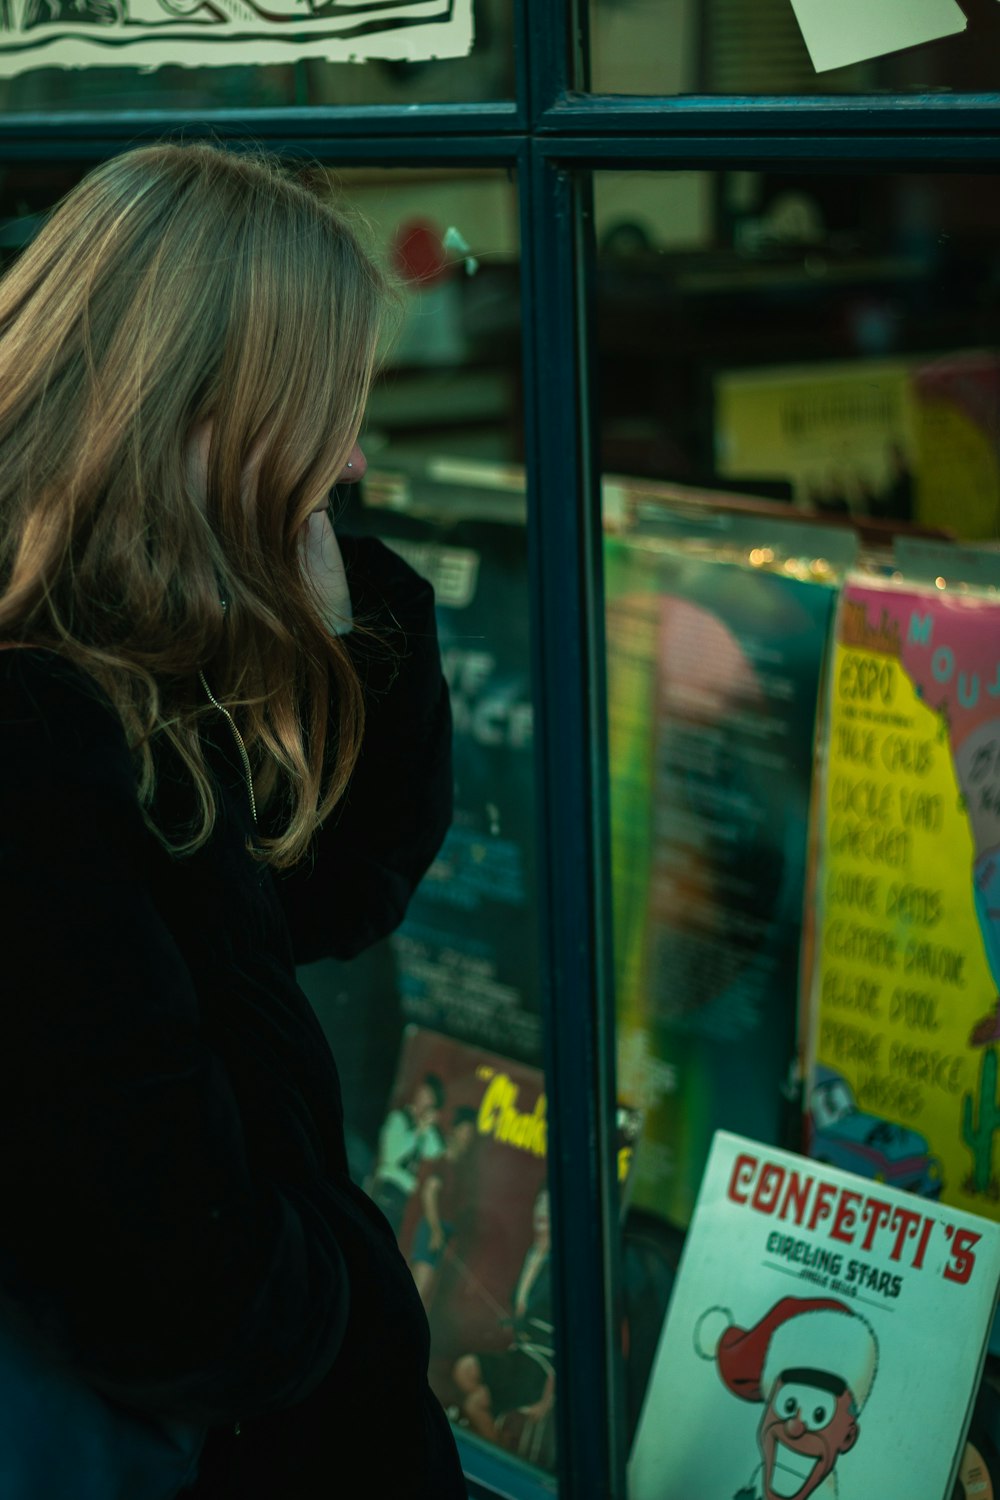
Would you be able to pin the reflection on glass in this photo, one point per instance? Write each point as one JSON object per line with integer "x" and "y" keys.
{"x": 486, "y": 74}
{"x": 757, "y": 47}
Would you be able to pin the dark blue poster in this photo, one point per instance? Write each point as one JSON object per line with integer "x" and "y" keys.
{"x": 467, "y": 952}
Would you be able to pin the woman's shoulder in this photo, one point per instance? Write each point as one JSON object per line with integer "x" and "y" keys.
{"x": 44, "y": 674}
{"x": 68, "y": 786}
{"x": 50, "y": 707}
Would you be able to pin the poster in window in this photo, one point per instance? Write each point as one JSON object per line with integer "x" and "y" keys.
{"x": 906, "y": 975}
{"x": 912, "y": 439}
{"x": 467, "y": 951}
{"x": 803, "y": 1353}
{"x": 713, "y": 680}
{"x": 461, "y": 1174}
{"x": 206, "y": 33}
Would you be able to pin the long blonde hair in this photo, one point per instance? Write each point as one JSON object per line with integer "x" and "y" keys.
{"x": 178, "y": 285}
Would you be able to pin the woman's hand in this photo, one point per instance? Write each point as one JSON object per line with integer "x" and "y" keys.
{"x": 323, "y": 562}
{"x": 324, "y": 568}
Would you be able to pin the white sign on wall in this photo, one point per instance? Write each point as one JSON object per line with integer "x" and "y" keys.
{"x": 201, "y": 33}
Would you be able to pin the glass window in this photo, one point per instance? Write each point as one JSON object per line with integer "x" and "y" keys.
{"x": 437, "y": 1030}
{"x": 758, "y": 47}
{"x": 794, "y": 371}
{"x": 825, "y": 341}
{"x": 486, "y": 74}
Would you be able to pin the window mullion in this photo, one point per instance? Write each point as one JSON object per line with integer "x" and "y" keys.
{"x": 564, "y": 544}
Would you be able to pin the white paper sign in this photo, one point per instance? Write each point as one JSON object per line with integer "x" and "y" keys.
{"x": 203, "y": 33}
{"x": 824, "y": 1338}
{"x": 839, "y": 32}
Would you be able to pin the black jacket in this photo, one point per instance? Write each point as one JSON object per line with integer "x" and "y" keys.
{"x": 177, "y": 1209}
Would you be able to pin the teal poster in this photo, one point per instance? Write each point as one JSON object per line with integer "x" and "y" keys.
{"x": 714, "y": 664}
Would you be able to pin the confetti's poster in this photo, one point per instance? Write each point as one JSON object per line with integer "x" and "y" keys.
{"x": 804, "y": 1355}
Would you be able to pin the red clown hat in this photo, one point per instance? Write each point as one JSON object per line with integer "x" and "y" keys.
{"x": 797, "y": 1333}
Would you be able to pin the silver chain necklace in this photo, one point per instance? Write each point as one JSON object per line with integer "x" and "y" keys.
{"x": 239, "y": 740}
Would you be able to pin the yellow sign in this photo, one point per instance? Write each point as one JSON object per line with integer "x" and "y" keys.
{"x": 907, "y": 1025}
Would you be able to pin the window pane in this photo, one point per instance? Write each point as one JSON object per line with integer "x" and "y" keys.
{"x": 793, "y": 372}
{"x": 821, "y": 339}
{"x": 486, "y": 74}
{"x": 758, "y": 47}
{"x": 437, "y": 1030}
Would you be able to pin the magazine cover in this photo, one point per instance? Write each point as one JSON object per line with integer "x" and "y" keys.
{"x": 825, "y": 1338}
{"x": 459, "y": 972}
{"x": 906, "y": 970}
{"x": 715, "y": 649}
{"x": 461, "y": 1175}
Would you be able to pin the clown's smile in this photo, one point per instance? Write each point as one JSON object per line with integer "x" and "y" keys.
{"x": 790, "y": 1471}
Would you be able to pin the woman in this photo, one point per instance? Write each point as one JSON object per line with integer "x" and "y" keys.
{"x": 220, "y": 754}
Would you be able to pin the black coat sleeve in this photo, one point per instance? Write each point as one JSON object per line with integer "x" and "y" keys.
{"x": 134, "y": 1229}
{"x": 382, "y": 837}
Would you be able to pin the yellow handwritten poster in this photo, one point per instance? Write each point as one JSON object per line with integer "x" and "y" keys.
{"x": 904, "y": 1082}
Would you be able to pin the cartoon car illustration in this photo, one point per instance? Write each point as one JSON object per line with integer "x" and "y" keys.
{"x": 844, "y": 1136}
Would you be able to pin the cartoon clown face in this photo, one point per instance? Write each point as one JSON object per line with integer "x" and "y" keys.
{"x": 807, "y": 1424}
{"x": 810, "y": 1362}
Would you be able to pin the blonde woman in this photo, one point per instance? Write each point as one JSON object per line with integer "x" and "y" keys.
{"x": 224, "y": 749}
